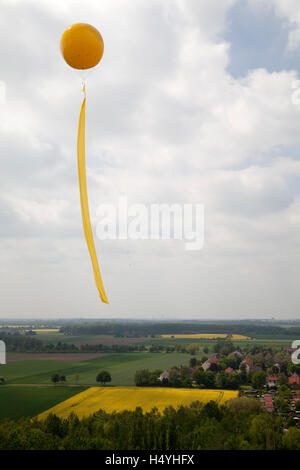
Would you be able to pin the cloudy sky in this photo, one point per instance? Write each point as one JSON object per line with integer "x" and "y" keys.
{"x": 195, "y": 101}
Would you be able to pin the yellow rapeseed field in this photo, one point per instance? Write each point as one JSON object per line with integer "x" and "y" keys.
{"x": 128, "y": 398}
{"x": 206, "y": 336}
{"x": 46, "y": 330}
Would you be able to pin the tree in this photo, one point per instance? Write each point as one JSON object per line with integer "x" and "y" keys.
{"x": 264, "y": 432}
{"x": 223, "y": 346}
{"x": 192, "y": 348}
{"x": 221, "y": 379}
{"x": 244, "y": 405}
{"x": 103, "y": 377}
{"x": 283, "y": 379}
{"x": 198, "y": 376}
{"x": 291, "y": 440}
{"x": 55, "y": 378}
{"x": 142, "y": 377}
{"x": 233, "y": 381}
{"x": 243, "y": 374}
{"x": 154, "y": 376}
{"x": 175, "y": 378}
{"x": 209, "y": 379}
{"x": 193, "y": 362}
{"x": 258, "y": 379}
{"x": 185, "y": 376}
{"x": 62, "y": 378}
{"x": 281, "y": 405}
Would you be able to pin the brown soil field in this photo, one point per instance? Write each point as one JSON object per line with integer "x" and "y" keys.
{"x": 68, "y": 357}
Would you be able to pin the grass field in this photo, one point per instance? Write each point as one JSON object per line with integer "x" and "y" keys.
{"x": 118, "y": 399}
{"x": 18, "y": 402}
{"x": 204, "y": 340}
{"x": 122, "y": 368}
{"x": 48, "y": 336}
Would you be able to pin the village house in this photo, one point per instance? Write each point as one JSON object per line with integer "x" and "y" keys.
{"x": 229, "y": 371}
{"x": 164, "y": 375}
{"x": 248, "y": 363}
{"x": 278, "y": 366}
{"x": 268, "y": 403}
{"x": 236, "y": 355}
{"x": 289, "y": 350}
{"x": 272, "y": 381}
{"x": 294, "y": 380}
{"x": 210, "y": 364}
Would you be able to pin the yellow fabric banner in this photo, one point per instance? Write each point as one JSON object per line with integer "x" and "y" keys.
{"x": 84, "y": 201}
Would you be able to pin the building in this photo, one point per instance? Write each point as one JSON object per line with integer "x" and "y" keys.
{"x": 294, "y": 380}
{"x": 164, "y": 375}
{"x": 272, "y": 381}
{"x": 289, "y": 350}
{"x": 211, "y": 363}
{"x": 229, "y": 371}
{"x": 278, "y": 366}
{"x": 236, "y": 355}
{"x": 268, "y": 403}
{"x": 248, "y": 363}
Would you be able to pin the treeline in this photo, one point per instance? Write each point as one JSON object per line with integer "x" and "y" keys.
{"x": 16, "y": 342}
{"x": 240, "y": 425}
{"x": 135, "y": 347}
{"x": 153, "y": 329}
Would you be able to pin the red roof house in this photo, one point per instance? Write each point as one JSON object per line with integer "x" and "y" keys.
{"x": 272, "y": 380}
{"x": 294, "y": 380}
{"x": 207, "y": 364}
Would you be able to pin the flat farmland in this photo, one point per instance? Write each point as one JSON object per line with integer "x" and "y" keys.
{"x": 60, "y": 357}
{"x": 277, "y": 342}
{"x": 122, "y": 368}
{"x": 17, "y": 402}
{"x": 55, "y": 337}
{"x": 112, "y": 399}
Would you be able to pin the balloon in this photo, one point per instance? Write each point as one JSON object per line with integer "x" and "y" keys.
{"x": 82, "y": 46}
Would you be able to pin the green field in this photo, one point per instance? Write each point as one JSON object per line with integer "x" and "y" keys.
{"x": 18, "y": 402}
{"x": 54, "y": 337}
{"x": 25, "y": 400}
{"x": 276, "y": 341}
{"x": 122, "y": 368}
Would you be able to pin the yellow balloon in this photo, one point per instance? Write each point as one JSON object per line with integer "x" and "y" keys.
{"x": 82, "y": 46}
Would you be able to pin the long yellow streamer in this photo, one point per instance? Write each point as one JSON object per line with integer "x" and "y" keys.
{"x": 84, "y": 200}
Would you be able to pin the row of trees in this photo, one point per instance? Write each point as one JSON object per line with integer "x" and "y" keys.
{"x": 18, "y": 342}
{"x": 143, "y": 329}
{"x": 240, "y": 425}
{"x": 103, "y": 377}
